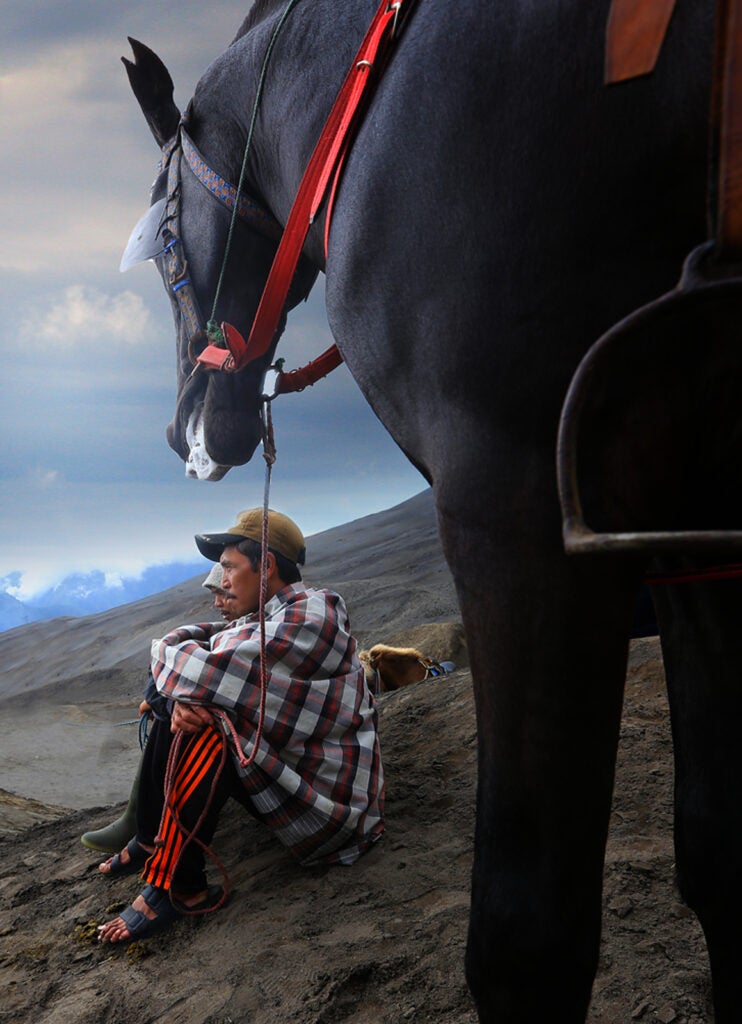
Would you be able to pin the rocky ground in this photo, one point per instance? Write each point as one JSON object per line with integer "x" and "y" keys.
{"x": 380, "y": 942}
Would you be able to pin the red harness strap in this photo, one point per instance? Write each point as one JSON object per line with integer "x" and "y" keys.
{"x": 634, "y": 36}
{"x": 323, "y": 164}
{"x": 305, "y": 376}
{"x": 733, "y": 571}
{"x": 727, "y": 117}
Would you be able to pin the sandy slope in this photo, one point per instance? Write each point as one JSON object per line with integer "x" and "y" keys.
{"x": 380, "y": 942}
{"x": 66, "y": 685}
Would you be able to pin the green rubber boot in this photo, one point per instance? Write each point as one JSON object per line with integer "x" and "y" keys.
{"x": 114, "y": 837}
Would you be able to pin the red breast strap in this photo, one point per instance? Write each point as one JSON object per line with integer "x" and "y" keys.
{"x": 329, "y": 150}
{"x": 305, "y": 376}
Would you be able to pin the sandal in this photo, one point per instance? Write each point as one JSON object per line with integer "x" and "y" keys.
{"x": 166, "y": 911}
{"x": 139, "y": 925}
{"x": 214, "y": 899}
{"x": 118, "y": 868}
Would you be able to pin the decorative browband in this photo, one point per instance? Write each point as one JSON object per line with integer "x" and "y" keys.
{"x": 249, "y": 210}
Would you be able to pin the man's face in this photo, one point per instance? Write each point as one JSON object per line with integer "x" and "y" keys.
{"x": 242, "y": 582}
{"x": 224, "y": 603}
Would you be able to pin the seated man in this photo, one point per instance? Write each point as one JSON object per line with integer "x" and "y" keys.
{"x": 110, "y": 838}
{"x": 314, "y": 776}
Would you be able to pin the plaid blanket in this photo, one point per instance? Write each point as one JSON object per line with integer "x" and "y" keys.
{"x": 317, "y": 779}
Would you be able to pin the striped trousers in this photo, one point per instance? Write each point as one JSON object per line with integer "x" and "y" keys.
{"x": 200, "y": 786}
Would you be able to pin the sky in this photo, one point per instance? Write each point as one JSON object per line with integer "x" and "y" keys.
{"x": 87, "y": 480}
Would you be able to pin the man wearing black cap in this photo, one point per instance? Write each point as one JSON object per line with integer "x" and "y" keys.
{"x": 308, "y": 767}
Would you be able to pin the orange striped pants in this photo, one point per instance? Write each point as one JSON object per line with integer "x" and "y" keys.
{"x": 181, "y": 827}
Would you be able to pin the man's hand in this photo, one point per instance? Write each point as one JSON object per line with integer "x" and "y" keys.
{"x": 189, "y": 718}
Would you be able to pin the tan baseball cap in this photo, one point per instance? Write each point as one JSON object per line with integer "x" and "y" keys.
{"x": 284, "y": 536}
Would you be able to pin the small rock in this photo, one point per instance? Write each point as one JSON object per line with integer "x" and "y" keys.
{"x": 621, "y": 906}
{"x": 640, "y": 1009}
{"x": 666, "y": 1014}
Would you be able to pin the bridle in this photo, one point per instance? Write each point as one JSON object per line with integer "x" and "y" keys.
{"x": 215, "y": 347}
{"x": 181, "y": 148}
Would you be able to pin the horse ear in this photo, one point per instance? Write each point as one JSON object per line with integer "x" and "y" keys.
{"x": 153, "y": 87}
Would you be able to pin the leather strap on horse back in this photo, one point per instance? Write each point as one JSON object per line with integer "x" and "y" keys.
{"x": 727, "y": 129}
{"x": 322, "y": 165}
{"x": 634, "y": 36}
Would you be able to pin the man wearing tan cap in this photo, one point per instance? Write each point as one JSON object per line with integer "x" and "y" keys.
{"x": 314, "y": 778}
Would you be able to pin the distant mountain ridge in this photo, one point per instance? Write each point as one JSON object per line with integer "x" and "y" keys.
{"x": 388, "y": 566}
{"x": 87, "y": 593}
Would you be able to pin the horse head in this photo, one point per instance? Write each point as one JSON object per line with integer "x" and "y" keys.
{"x": 207, "y": 266}
{"x": 391, "y": 668}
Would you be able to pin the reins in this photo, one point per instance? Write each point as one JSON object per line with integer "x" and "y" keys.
{"x": 231, "y": 352}
{"x": 222, "y": 720}
{"x": 212, "y": 328}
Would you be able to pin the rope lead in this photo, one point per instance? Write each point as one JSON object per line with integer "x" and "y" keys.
{"x": 248, "y": 145}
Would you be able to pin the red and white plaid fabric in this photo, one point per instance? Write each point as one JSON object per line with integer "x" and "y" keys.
{"x": 317, "y": 779}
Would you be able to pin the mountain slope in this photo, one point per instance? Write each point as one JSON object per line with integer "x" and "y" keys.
{"x": 70, "y": 683}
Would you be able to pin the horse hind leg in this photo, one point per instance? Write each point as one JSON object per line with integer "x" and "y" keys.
{"x": 701, "y": 634}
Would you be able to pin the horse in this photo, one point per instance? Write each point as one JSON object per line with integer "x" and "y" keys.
{"x": 499, "y": 209}
{"x": 391, "y": 668}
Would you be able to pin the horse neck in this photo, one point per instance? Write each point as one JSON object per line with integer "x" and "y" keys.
{"x": 309, "y": 61}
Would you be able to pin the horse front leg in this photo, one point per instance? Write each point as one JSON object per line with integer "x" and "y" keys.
{"x": 548, "y": 645}
{"x": 702, "y": 649}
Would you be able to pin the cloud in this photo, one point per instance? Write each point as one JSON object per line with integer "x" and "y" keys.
{"x": 79, "y": 210}
{"x": 86, "y": 478}
{"x": 78, "y": 133}
{"x": 88, "y": 316}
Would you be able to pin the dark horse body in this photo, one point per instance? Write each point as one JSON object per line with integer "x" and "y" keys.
{"x": 499, "y": 210}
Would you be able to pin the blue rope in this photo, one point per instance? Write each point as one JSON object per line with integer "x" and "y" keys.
{"x": 142, "y": 722}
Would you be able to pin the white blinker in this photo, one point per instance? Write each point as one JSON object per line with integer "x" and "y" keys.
{"x": 145, "y": 241}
